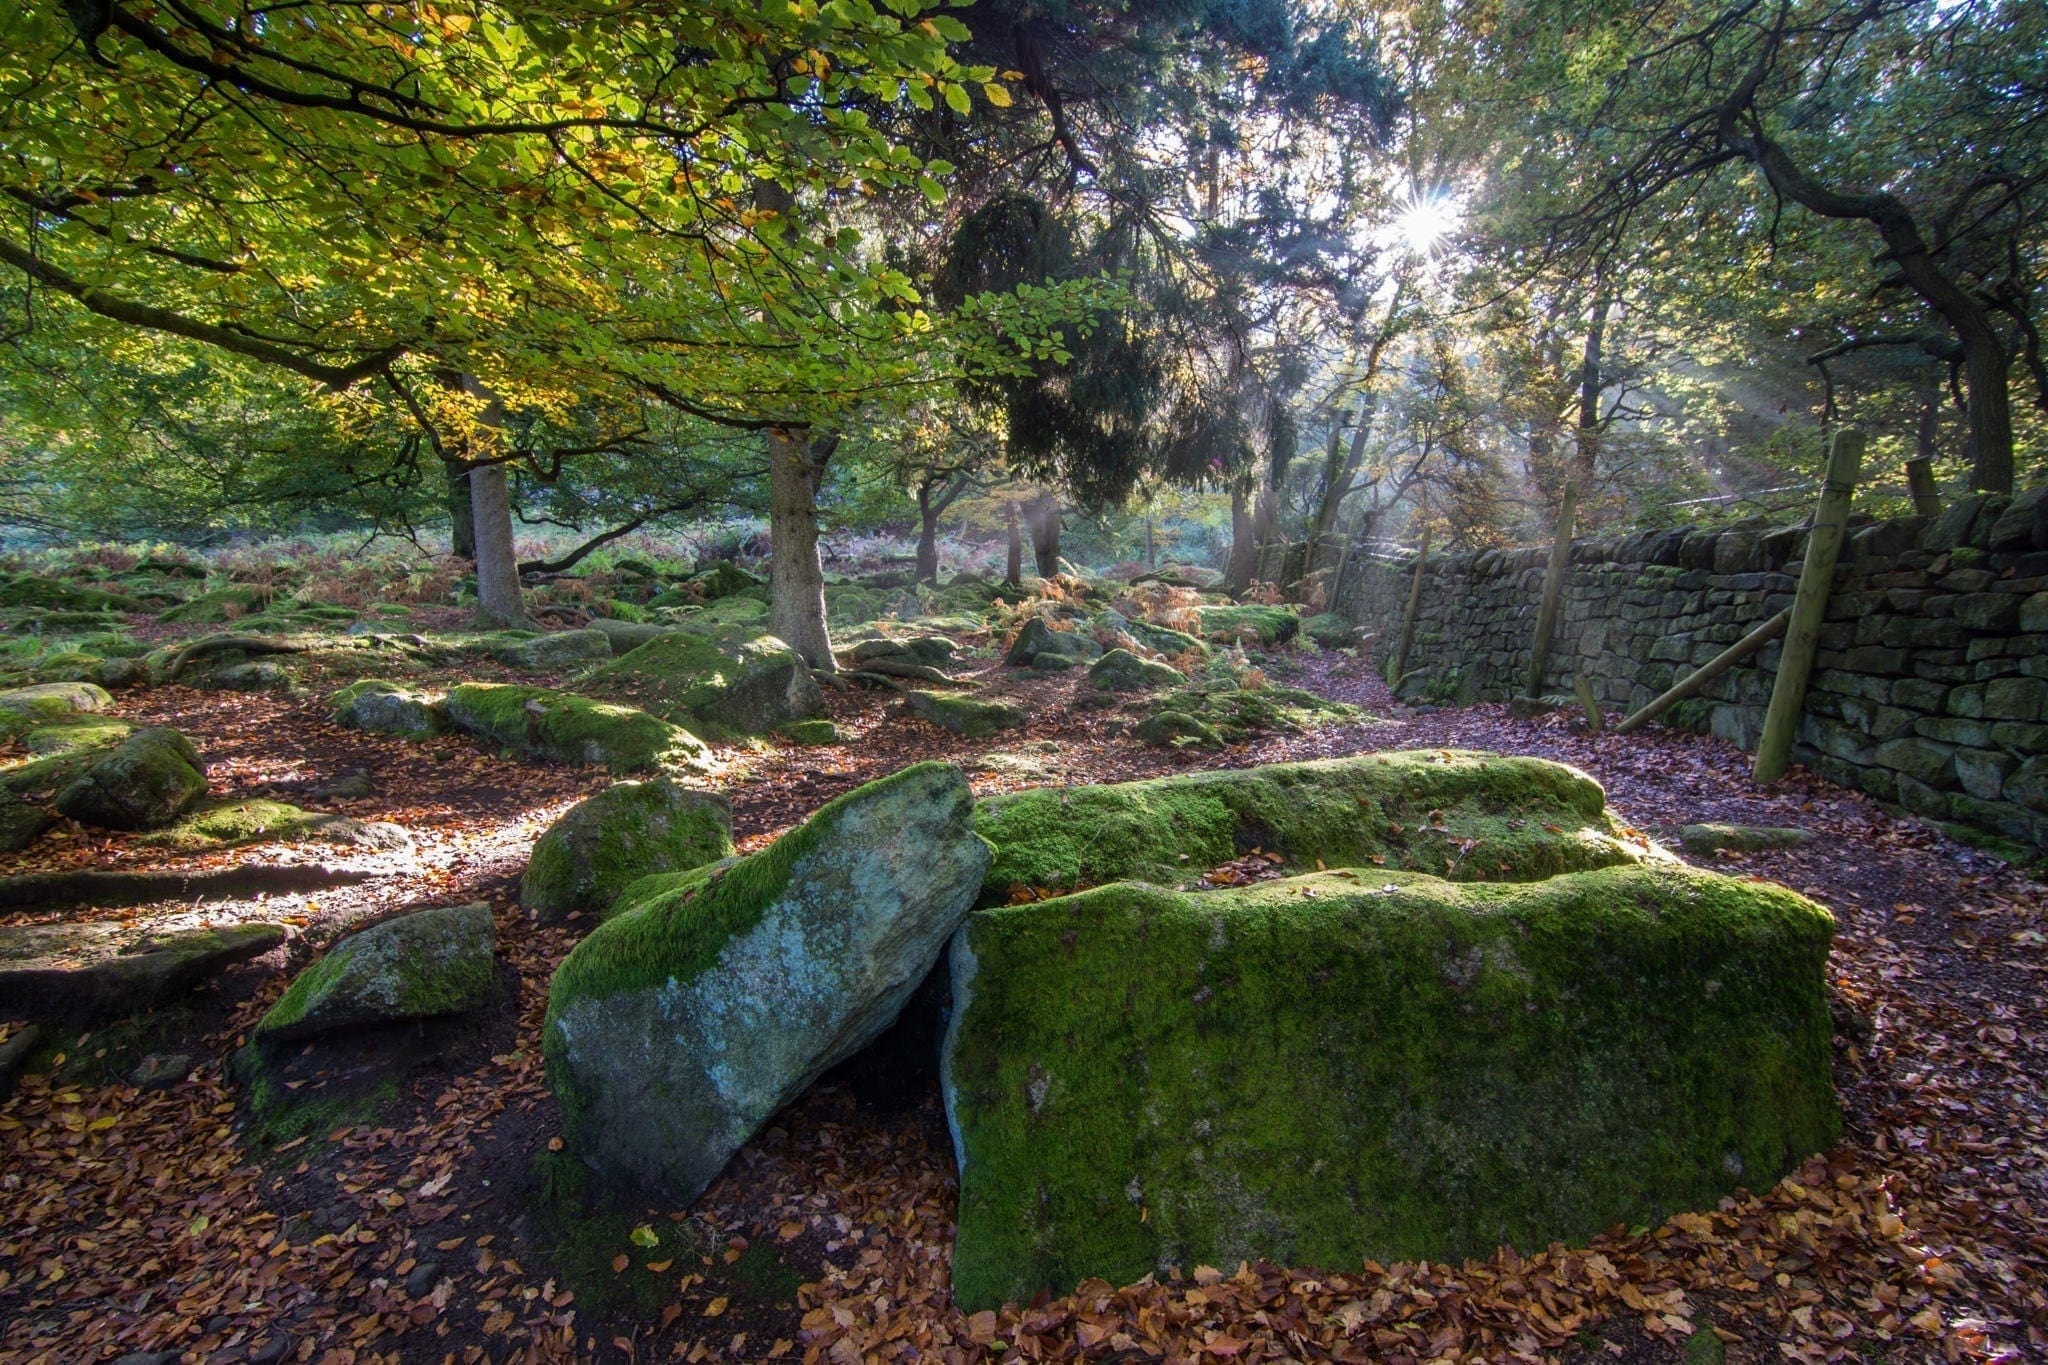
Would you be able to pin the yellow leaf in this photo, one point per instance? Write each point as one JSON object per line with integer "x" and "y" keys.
{"x": 456, "y": 24}
{"x": 716, "y": 1307}
{"x": 644, "y": 1236}
{"x": 996, "y": 94}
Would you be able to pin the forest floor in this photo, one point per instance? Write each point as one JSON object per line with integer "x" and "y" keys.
{"x": 138, "y": 1221}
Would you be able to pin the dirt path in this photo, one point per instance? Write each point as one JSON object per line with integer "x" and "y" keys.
{"x": 135, "y": 1221}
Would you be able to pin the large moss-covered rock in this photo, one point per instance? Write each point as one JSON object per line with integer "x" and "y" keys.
{"x": 1469, "y": 816}
{"x": 1250, "y": 624}
{"x": 230, "y": 824}
{"x": 560, "y": 727}
{"x": 389, "y": 708}
{"x": 419, "y": 965}
{"x": 93, "y": 968}
{"x": 229, "y": 602}
{"x": 53, "y": 703}
{"x": 557, "y": 649}
{"x": 1364, "y": 1064}
{"x": 1331, "y": 631}
{"x": 1122, "y": 671}
{"x": 32, "y": 590}
{"x": 1036, "y": 636}
{"x": 623, "y": 833}
{"x": 149, "y": 780}
{"x": 968, "y": 717}
{"x": 722, "y": 684}
{"x": 675, "y": 1030}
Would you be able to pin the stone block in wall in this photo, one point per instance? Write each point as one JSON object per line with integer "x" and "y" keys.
{"x": 1737, "y": 725}
{"x": 1852, "y": 606}
{"x": 1737, "y": 552}
{"x": 2015, "y": 698}
{"x": 2001, "y": 817}
{"x": 1967, "y": 701}
{"x": 1989, "y": 647}
{"x": 1851, "y": 684}
{"x": 1918, "y": 632}
{"x": 1995, "y": 506}
{"x": 1883, "y": 543}
{"x": 1954, "y": 730}
{"x": 1919, "y": 694}
{"x": 2034, "y": 613}
{"x": 1921, "y": 799}
{"x": 1960, "y": 580}
{"x": 1696, "y": 551}
{"x": 1881, "y": 783}
{"x": 1905, "y": 599}
{"x": 1878, "y": 721}
{"x": 2020, "y": 737}
{"x": 1875, "y": 659}
{"x": 2028, "y": 784}
{"x": 1940, "y": 672}
{"x": 1924, "y": 760}
{"x": 1780, "y": 546}
{"x": 1834, "y": 738}
{"x": 1952, "y": 527}
{"x": 1987, "y": 611}
{"x": 1982, "y": 772}
{"x": 1752, "y": 687}
{"x": 1671, "y": 649}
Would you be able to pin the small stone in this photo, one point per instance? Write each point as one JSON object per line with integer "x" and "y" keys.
{"x": 1712, "y": 838}
{"x": 424, "y": 1277}
{"x": 161, "y": 1070}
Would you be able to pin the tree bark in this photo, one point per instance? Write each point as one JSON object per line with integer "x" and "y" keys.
{"x": 796, "y": 576}
{"x": 499, "y": 603}
{"x": 1013, "y": 568}
{"x": 1553, "y": 589}
{"x": 927, "y": 537}
{"x": 1042, "y": 516}
{"x": 1590, "y": 384}
{"x": 1244, "y": 548}
{"x": 461, "y": 520}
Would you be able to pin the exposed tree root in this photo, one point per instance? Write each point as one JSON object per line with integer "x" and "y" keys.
{"x": 97, "y": 886}
{"x": 222, "y": 644}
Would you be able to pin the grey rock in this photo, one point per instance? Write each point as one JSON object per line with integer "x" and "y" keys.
{"x": 423, "y": 1278}
{"x": 675, "y": 1031}
{"x": 152, "y": 778}
{"x": 161, "y": 1070}
{"x": 14, "y": 1055}
{"x": 98, "y": 969}
{"x": 388, "y": 708}
{"x": 22, "y": 708}
{"x": 559, "y": 649}
{"x": 1983, "y": 772}
{"x": 417, "y": 966}
{"x": 1122, "y": 671}
{"x": 21, "y": 823}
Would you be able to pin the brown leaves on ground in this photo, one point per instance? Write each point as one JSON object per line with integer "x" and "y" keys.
{"x": 134, "y": 1220}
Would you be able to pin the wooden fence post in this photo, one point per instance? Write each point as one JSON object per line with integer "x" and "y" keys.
{"x": 1408, "y": 617}
{"x": 1809, "y": 606}
{"x": 1553, "y": 588}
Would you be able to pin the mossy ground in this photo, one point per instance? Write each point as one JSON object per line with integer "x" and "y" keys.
{"x": 1477, "y": 817}
{"x": 1239, "y": 714}
{"x": 1370, "y": 1064}
{"x": 583, "y": 1233}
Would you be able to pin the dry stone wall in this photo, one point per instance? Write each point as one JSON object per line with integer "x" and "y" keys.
{"x": 1930, "y": 689}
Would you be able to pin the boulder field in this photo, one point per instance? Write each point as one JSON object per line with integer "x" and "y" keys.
{"x": 1483, "y": 1013}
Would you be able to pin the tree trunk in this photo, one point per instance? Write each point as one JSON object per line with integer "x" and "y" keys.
{"x": 1237, "y": 576}
{"x": 1042, "y": 516}
{"x": 927, "y": 537}
{"x": 1151, "y": 551}
{"x": 461, "y": 520}
{"x": 499, "y": 604}
{"x": 1013, "y": 567}
{"x": 1340, "y": 483}
{"x": 1987, "y": 386}
{"x": 796, "y": 577}
{"x": 1590, "y": 384}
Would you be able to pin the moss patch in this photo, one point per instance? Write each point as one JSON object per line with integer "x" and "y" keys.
{"x": 230, "y": 602}
{"x": 1249, "y": 624}
{"x": 967, "y": 717}
{"x": 1238, "y": 714}
{"x": 561, "y": 727}
{"x": 811, "y": 732}
{"x": 1379, "y": 1065}
{"x": 718, "y": 684}
{"x": 618, "y": 836}
{"x": 1469, "y": 816}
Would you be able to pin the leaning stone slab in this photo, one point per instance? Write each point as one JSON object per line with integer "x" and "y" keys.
{"x": 149, "y": 780}
{"x": 98, "y": 969}
{"x": 1367, "y": 1064}
{"x": 1464, "y": 815}
{"x": 560, "y": 727}
{"x": 419, "y": 965}
{"x": 679, "y": 1028}
{"x": 626, "y": 832}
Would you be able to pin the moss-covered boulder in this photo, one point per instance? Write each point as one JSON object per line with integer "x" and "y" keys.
{"x": 557, "y": 649}
{"x": 1163, "y": 639}
{"x": 88, "y": 969}
{"x": 935, "y": 651}
{"x": 147, "y": 781}
{"x": 229, "y": 602}
{"x": 818, "y": 731}
{"x": 1238, "y": 714}
{"x": 627, "y": 636}
{"x": 1249, "y": 624}
{"x": 720, "y": 684}
{"x": 618, "y": 836}
{"x": 677, "y": 1029}
{"x": 21, "y": 823}
{"x": 417, "y": 966}
{"x": 723, "y": 579}
{"x": 53, "y": 703}
{"x": 968, "y": 717}
{"x": 1036, "y": 636}
{"x": 78, "y": 736}
{"x": 389, "y": 708}
{"x": 1331, "y": 631}
{"x": 54, "y": 594}
{"x": 230, "y": 824}
{"x": 1177, "y": 729}
{"x": 560, "y": 727}
{"x": 1468, "y": 816}
{"x": 1122, "y": 671}
{"x": 1347, "y": 1065}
